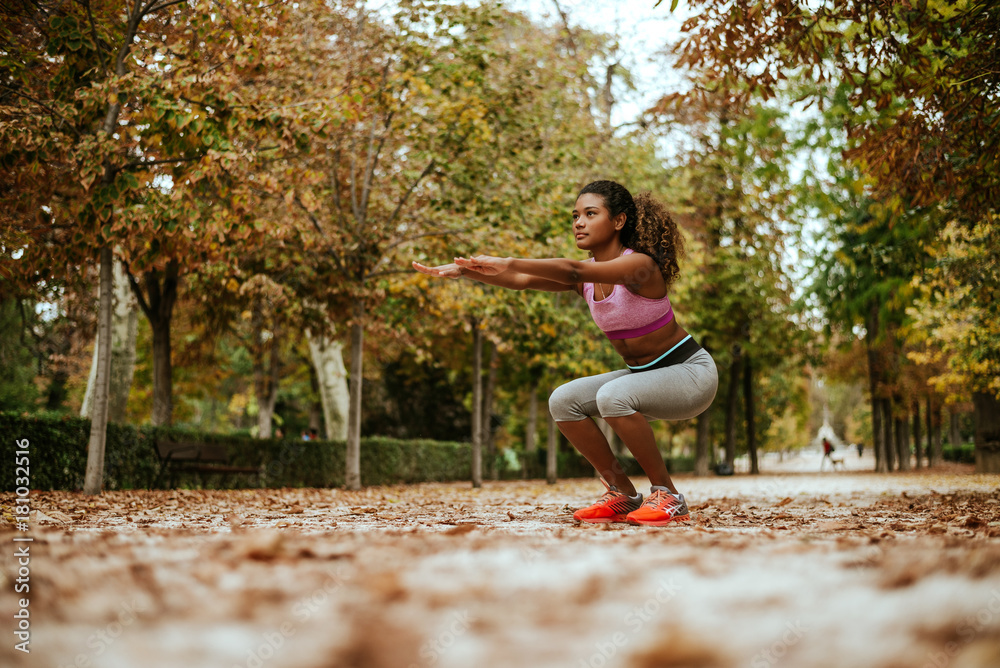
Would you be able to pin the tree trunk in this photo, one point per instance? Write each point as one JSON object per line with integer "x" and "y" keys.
{"x": 890, "y": 444}
{"x": 93, "y": 480}
{"x": 352, "y": 471}
{"x": 159, "y": 308}
{"x": 881, "y": 463}
{"x": 530, "y": 429}
{"x": 331, "y": 381}
{"x": 750, "y": 417}
{"x": 701, "y": 444}
{"x": 929, "y": 423}
{"x": 487, "y": 413}
{"x": 916, "y": 433}
{"x": 163, "y": 404}
{"x": 124, "y": 328}
{"x": 477, "y": 404}
{"x": 934, "y": 453}
{"x": 123, "y": 339}
{"x": 903, "y": 442}
{"x": 732, "y": 405}
{"x": 268, "y": 396}
{"x": 987, "y": 416}
{"x": 266, "y": 363}
{"x": 954, "y": 429}
{"x": 94, "y": 477}
{"x": 552, "y": 458}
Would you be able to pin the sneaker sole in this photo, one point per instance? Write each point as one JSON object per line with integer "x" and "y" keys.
{"x": 603, "y": 520}
{"x": 660, "y": 523}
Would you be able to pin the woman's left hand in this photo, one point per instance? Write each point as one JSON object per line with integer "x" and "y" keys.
{"x": 484, "y": 264}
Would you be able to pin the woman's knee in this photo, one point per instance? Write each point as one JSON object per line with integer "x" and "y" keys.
{"x": 612, "y": 402}
{"x": 565, "y": 404}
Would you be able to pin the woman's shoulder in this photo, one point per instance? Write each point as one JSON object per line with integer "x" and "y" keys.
{"x": 645, "y": 257}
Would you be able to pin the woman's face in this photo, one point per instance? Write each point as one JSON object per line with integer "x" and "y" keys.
{"x": 592, "y": 223}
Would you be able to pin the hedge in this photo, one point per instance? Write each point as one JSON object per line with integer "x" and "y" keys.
{"x": 58, "y": 454}
{"x": 963, "y": 454}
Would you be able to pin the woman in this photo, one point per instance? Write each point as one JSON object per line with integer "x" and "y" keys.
{"x": 634, "y": 245}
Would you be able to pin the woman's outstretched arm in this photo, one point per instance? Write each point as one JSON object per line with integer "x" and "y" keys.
{"x": 506, "y": 279}
{"x": 634, "y": 269}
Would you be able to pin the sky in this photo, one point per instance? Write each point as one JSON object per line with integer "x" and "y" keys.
{"x": 643, "y": 31}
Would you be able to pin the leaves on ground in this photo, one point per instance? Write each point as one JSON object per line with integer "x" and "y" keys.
{"x": 447, "y": 575}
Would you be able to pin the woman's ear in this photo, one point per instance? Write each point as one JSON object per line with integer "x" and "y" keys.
{"x": 619, "y": 221}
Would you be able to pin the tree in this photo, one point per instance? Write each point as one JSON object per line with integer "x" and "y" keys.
{"x": 455, "y": 104}
{"x": 919, "y": 105}
{"x": 93, "y": 115}
{"x": 737, "y": 197}
{"x": 955, "y": 314}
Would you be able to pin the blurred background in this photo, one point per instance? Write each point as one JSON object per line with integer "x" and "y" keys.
{"x": 259, "y": 178}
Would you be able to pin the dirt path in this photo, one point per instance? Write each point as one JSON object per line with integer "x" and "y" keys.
{"x": 844, "y": 569}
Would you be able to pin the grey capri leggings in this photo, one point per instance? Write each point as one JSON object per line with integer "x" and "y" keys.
{"x": 677, "y": 392}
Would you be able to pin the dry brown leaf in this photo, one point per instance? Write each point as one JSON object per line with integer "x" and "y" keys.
{"x": 460, "y": 529}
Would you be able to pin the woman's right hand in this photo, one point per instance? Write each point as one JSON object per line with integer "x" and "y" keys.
{"x": 443, "y": 271}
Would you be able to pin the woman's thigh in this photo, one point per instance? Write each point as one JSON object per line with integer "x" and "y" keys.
{"x": 577, "y": 399}
{"x": 678, "y": 392}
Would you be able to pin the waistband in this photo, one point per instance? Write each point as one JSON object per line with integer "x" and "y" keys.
{"x": 641, "y": 331}
{"x": 679, "y": 354}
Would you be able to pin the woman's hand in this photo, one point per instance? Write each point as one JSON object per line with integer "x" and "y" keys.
{"x": 484, "y": 264}
{"x": 444, "y": 271}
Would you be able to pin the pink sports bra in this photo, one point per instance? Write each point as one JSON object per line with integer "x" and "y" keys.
{"x": 626, "y": 315}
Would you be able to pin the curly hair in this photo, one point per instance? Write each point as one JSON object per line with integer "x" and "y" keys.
{"x": 649, "y": 228}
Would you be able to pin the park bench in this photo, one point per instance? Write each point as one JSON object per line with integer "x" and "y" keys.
{"x": 180, "y": 457}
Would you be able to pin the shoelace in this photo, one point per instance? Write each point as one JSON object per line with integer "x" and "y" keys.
{"x": 661, "y": 500}
{"x": 610, "y": 495}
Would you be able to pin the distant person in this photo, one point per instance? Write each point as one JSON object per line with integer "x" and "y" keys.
{"x": 827, "y": 452}
{"x": 861, "y": 450}
{"x": 279, "y": 434}
{"x": 634, "y": 245}
{"x": 305, "y": 435}
{"x": 313, "y": 434}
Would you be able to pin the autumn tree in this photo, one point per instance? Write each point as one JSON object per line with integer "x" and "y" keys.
{"x": 921, "y": 113}
{"x": 114, "y": 120}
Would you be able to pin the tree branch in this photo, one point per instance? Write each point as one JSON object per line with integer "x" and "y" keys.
{"x": 152, "y": 8}
{"x": 165, "y": 161}
{"x": 137, "y": 291}
{"x": 93, "y": 33}
{"x": 111, "y": 117}
{"x": 423, "y": 235}
{"x": 52, "y": 112}
{"x": 335, "y": 183}
{"x": 319, "y": 231}
{"x": 427, "y": 170}
{"x": 373, "y": 151}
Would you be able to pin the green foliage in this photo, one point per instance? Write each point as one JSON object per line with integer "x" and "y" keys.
{"x": 58, "y": 447}
{"x": 962, "y": 454}
{"x": 907, "y": 117}
{"x": 17, "y": 391}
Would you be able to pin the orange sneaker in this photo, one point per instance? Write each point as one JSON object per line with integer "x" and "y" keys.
{"x": 613, "y": 506}
{"x": 660, "y": 509}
